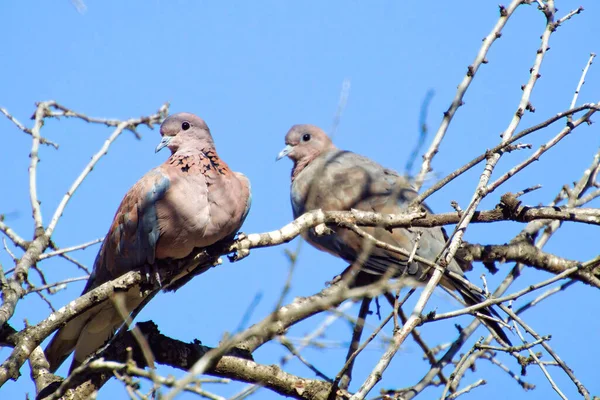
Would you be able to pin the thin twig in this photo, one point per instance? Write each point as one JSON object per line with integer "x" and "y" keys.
{"x": 129, "y": 124}
{"x": 505, "y": 14}
{"x": 543, "y": 148}
{"x": 296, "y": 352}
{"x": 13, "y": 236}
{"x": 542, "y": 367}
{"x": 570, "y": 15}
{"x": 70, "y": 249}
{"x": 491, "y": 301}
{"x": 581, "y": 82}
{"x": 580, "y": 387}
{"x": 57, "y": 285}
{"x": 543, "y": 296}
{"x": 467, "y": 389}
{"x": 344, "y": 94}
{"x": 25, "y": 129}
{"x": 501, "y": 146}
{"x": 423, "y": 130}
{"x": 493, "y": 360}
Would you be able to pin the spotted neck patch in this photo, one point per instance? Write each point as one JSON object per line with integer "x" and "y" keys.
{"x": 204, "y": 162}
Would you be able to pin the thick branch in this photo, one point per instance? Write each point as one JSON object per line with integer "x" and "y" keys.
{"x": 525, "y": 253}
{"x": 205, "y": 259}
{"x": 237, "y": 365}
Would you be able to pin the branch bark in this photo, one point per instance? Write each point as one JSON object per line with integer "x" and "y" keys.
{"x": 238, "y": 365}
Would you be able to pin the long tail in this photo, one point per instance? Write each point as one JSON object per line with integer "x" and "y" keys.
{"x": 65, "y": 339}
{"x": 472, "y": 298}
{"x": 89, "y": 331}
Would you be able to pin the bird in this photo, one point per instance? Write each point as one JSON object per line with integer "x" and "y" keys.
{"x": 327, "y": 178}
{"x": 191, "y": 201}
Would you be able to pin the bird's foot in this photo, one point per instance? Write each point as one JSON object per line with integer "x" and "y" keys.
{"x": 153, "y": 276}
{"x": 239, "y": 253}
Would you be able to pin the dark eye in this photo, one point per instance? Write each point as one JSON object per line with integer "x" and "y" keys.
{"x": 185, "y": 125}
{"x": 306, "y": 137}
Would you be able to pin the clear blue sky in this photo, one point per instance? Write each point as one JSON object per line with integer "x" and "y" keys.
{"x": 251, "y": 70}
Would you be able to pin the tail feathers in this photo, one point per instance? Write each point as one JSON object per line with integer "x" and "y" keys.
{"x": 65, "y": 339}
{"x": 84, "y": 335}
{"x": 95, "y": 334}
{"x": 472, "y": 297}
{"x": 89, "y": 331}
{"x": 58, "y": 350}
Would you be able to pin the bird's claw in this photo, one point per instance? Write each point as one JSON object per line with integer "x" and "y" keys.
{"x": 238, "y": 255}
{"x": 152, "y": 276}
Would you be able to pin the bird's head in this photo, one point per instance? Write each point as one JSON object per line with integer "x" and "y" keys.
{"x": 304, "y": 143}
{"x": 184, "y": 130}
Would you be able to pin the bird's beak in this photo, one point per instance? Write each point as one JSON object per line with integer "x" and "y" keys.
{"x": 286, "y": 150}
{"x": 164, "y": 142}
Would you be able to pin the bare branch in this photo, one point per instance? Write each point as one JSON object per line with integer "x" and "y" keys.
{"x": 584, "y": 392}
{"x": 12, "y": 291}
{"x": 581, "y": 82}
{"x": 542, "y": 367}
{"x": 505, "y": 14}
{"x": 129, "y": 124}
{"x": 70, "y": 249}
{"x": 12, "y": 235}
{"x": 500, "y": 147}
{"x": 40, "y": 114}
{"x": 567, "y": 17}
{"x": 543, "y": 148}
{"x": 467, "y": 389}
{"x": 57, "y": 285}
{"x": 25, "y": 129}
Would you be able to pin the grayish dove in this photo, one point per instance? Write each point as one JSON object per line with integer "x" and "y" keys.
{"x": 327, "y": 178}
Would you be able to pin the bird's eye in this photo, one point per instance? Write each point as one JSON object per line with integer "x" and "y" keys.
{"x": 185, "y": 125}
{"x": 306, "y": 137}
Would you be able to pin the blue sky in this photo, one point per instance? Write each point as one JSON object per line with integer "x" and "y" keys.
{"x": 251, "y": 70}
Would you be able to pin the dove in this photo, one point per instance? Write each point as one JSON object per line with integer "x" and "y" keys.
{"x": 327, "y": 178}
{"x": 191, "y": 201}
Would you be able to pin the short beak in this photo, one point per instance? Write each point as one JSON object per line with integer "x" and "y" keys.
{"x": 164, "y": 142}
{"x": 286, "y": 150}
